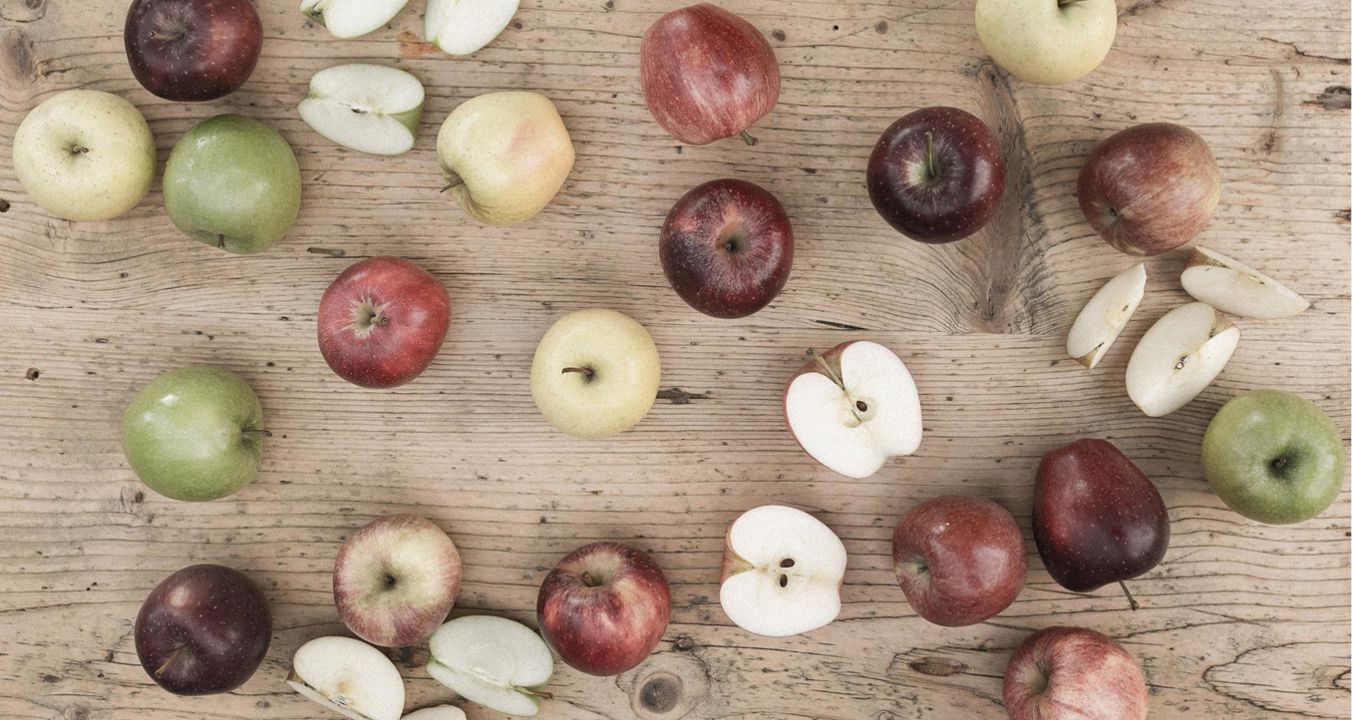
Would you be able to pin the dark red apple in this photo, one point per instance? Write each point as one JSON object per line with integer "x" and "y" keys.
{"x": 204, "y": 630}
{"x": 936, "y": 175}
{"x": 959, "y": 560}
{"x": 381, "y": 322}
{"x": 1150, "y": 188}
{"x": 1065, "y": 673}
{"x": 192, "y": 49}
{"x": 707, "y": 74}
{"x": 727, "y": 247}
{"x": 604, "y": 608}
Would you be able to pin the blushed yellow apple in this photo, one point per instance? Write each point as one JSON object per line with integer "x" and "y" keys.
{"x": 1047, "y": 42}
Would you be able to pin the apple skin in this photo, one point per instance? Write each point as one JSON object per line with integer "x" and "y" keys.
{"x": 707, "y": 74}
{"x": 936, "y": 175}
{"x": 1150, "y": 188}
{"x": 727, "y": 247}
{"x": 192, "y": 50}
{"x": 1048, "y": 42}
{"x": 959, "y": 560}
{"x": 1065, "y": 673}
{"x": 604, "y": 608}
{"x": 1274, "y": 457}
{"x": 203, "y": 630}
{"x": 382, "y": 322}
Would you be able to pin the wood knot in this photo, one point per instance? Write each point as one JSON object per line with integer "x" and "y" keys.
{"x": 667, "y": 687}
{"x": 660, "y": 693}
{"x": 937, "y": 667}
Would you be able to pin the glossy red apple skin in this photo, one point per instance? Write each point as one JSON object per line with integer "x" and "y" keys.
{"x": 382, "y": 321}
{"x": 604, "y": 608}
{"x": 192, "y": 50}
{"x": 203, "y": 630}
{"x": 1150, "y": 188}
{"x": 727, "y": 248}
{"x": 707, "y": 74}
{"x": 1064, "y": 673}
{"x": 949, "y": 200}
{"x": 959, "y": 560}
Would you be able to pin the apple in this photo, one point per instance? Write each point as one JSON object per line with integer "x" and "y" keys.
{"x": 853, "y": 407}
{"x": 495, "y": 662}
{"x": 192, "y": 49}
{"x": 936, "y": 175}
{"x": 1105, "y": 315}
{"x": 726, "y": 248}
{"x": 1235, "y": 288}
{"x": 194, "y": 434}
{"x": 368, "y": 108}
{"x": 463, "y": 27}
{"x": 233, "y": 183}
{"x": 440, "y": 712}
{"x": 382, "y": 322}
{"x": 505, "y": 155}
{"x": 782, "y": 570}
{"x": 1178, "y": 357}
{"x": 351, "y": 18}
{"x": 1047, "y": 42}
{"x": 959, "y": 560}
{"x": 85, "y": 155}
{"x": 707, "y": 74}
{"x": 1274, "y": 457}
{"x": 205, "y": 629}
{"x": 1066, "y": 673}
{"x": 604, "y": 608}
{"x": 1149, "y": 188}
{"x": 395, "y": 580}
{"x": 595, "y": 373}
{"x": 349, "y": 677}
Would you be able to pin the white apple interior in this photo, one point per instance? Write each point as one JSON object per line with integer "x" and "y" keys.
{"x": 440, "y": 712}
{"x": 349, "y": 677}
{"x": 1178, "y": 357}
{"x": 1100, "y": 322}
{"x": 369, "y": 108}
{"x": 1235, "y": 288}
{"x": 352, "y": 18}
{"x": 492, "y": 661}
{"x": 461, "y": 27}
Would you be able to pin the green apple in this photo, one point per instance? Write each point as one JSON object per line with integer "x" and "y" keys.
{"x": 233, "y": 183}
{"x": 85, "y": 155}
{"x": 1273, "y": 457}
{"x": 194, "y": 434}
{"x": 1047, "y": 42}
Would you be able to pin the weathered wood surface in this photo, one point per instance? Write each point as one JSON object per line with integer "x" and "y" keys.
{"x": 1241, "y": 620}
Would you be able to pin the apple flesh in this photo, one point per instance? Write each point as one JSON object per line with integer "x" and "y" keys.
{"x": 1047, "y": 42}
{"x": 1178, "y": 357}
{"x": 463, "y": 27}
{"x": 1105, "y": 315}
{"x": 368, "y": 108}
{"x": 192, "y": 50}
{"x": 1237, "y": 289}
{"x": 349, "y": 677}
{"x": 440, "y": 712}
{"x": 1065, "y": 673}
{"x": 495, "y": 662}
{"x": 351, "y": 18}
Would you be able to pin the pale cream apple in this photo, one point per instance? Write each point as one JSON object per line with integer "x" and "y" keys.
{"x": 1101, "y": 320}
{"x": 1047, "y": 42}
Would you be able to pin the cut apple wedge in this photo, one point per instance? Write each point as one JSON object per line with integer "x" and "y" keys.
{"x": 461, "y": 27}
{"x": 1103, "y": 317}
{"x": 349, "y": 677}
{"x": 492, "y": 661}
{"x": 1178, "y": 357}
{"x": 369, "y": 108}
{"x": 440, "y": 712}
{"x": 782, "y": 570}
{"x": 1235, "y": 288}
{"x": 351, "y": 18}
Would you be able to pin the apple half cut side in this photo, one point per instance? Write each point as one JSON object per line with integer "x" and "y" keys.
{"x": 1235, "y": 288}
{"x": 492, "y": 661}
{"x": 440, "y": 712}
{"x": 368, "y": 108}
{"x": 1100, "y": 322}
{"x": 853, "y": 407}
{"x": 462, "y": 27}
{"x": 782, "y": 570}
{"x": 1178, "y": 357}
{"x": 348, "y": 676}
{"x": 351, "y": 18}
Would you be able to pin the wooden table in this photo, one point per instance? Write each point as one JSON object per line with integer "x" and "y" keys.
{"x": 1240, "y": 621}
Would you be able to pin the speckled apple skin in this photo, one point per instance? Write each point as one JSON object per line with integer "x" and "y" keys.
{"x": 1065, "y": 673}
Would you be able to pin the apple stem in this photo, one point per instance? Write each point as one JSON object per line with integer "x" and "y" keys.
{"x": 931, "y": 165}
{"x": 1134, "y": 605}
{"x": 78, "y": 149}
{"x": 748, "y": 138}
{"x": 588, "y": 372}
{"x": 331, "y": 252}
{"x": 170, "y": 660}
{"x": 220, "y": 240}
{"x": 451, "y": 181}
{"x": 255, "y": 432}
{"x": 542, "y": 694}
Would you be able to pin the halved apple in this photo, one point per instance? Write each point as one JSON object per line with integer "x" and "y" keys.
{"x": 440, "y": 712}
{"x": 369, "y": 108}
{"x": 1233, "y": 287}
{"x": 1103, "y": 317}
{"x": 782, "y": 570}
{"x": 1178, "y": 357}
{"x": 348, "y": 676}
{"x": 461, "y": 27}
{"x": 492, "y": 661}
{"x": 351, "y": 18}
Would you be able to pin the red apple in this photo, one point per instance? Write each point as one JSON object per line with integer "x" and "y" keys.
{"x": 707, "y": 74}
{"x": 727, "y": 247}
{"x": 959, "y": 560}
{"x": 192, "y": 49}
{"x": 604, "y": 608}
{"x": 1150, "y": 188}
{"x": 1065, "y": 673}
{"x": 381, "y": 322}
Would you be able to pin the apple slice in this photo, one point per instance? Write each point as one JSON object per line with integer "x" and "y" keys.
{"x": 369, "y": 108}
{"x": 348, "y": 676}
{"x": 351, "y": 18}
{"x": 1233, "y": 287}
{"x": 854, "y": 406}
{"x": 1178, "y": 357}
{"x": 782, "y": 570}
{"x": 1103, "y": 317}
{"x": 461, "y": 27}
{"x": 440, "y": 712}
{"x": 492, "y": 661}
